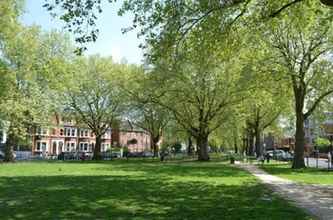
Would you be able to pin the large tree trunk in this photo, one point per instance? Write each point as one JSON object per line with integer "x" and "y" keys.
{"x": 299, "y": 93}
{"x": 298, "y": 161}
{"x": 155, "y": 149}
{"x": 250, "y": 144}
{"x": 154, "y": 145}
{"x": 257, "y": 142}
{"x": 97, "y": 149}
{"x": 202, "y": 143}
{"x": 9, "y": 146}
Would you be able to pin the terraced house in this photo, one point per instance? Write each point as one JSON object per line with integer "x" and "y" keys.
{"x": 65, "y": 135}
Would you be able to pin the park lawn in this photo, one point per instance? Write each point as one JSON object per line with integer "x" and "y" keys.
{"x": 136, "y": 190}
{"x": 306, "y": 175}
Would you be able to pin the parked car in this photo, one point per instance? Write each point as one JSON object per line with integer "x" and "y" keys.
{"x": 135, "y": 154}
{"x": 280, "y": 155}
{"x": 148, "y": 154}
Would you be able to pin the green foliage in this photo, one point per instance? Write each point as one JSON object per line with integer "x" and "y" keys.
{"x": 322, "y": 144}
{"x": 176, "y": 147}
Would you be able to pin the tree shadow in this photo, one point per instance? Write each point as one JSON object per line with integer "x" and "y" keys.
{"x": 151, "y": 195}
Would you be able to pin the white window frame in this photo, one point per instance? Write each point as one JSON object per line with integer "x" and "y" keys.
{"x": 82, "y": 146}
{"x": 39, "y": 144}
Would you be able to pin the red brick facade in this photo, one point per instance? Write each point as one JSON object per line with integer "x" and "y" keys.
{"x": 65, "y": 136}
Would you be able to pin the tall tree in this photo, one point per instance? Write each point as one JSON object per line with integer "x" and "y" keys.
{"x": 141, "y": 111}
{"x": 198, "y": 83}
{"x": 90, "y": 91}
{"x": 166, "y": 20}
{"x": 26, "y": 58}
{"x": 301, "y": 47}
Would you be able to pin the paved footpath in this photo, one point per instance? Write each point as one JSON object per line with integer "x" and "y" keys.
{"x": 316, "y": 199}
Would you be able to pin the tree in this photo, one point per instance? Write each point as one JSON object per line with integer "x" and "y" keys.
{"x": 198, "y": 83}
{"x": 27, "y": 56}
{"x": 153, "y": 119}
{"x": 265, "y": 104}
{"x": 142, "y": 112}
{"x": 301, "y": 48}
{"x": 169, "y": 21}
{"x": 91, "y": 93}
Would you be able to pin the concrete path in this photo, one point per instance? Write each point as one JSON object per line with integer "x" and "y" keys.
{"x": 317, "y": 200}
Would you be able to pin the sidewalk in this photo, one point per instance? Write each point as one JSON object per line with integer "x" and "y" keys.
{"x": 316, "y": 199}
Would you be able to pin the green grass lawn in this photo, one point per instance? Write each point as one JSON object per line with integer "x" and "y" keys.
{"x": 136, "y": 190}
{"x": 307, "y": 175}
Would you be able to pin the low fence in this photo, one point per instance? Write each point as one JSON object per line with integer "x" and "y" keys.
{"x": 23, "y": 155}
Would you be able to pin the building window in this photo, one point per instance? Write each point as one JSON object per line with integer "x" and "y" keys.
{"x": 73, "y": 146}
{"x": 61, "y": 132}
{"x": 68, "y": 147}
{"x": 86, "y": 133}
{"x": 104, "y": 147}
{"x": 41, "y": 146}
{"x": 73, "y": 132}
{"x": 68, "y": 132}
{"x": 84, "y": 146}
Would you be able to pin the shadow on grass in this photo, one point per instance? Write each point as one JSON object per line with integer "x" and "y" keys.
{"x": 190, "y": 169}
{"x": 151, "y": 195}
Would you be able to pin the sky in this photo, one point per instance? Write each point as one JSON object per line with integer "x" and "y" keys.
{"x": 110, "y": 42}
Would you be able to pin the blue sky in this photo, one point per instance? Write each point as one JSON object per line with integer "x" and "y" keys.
{"x": 111, "y": 42}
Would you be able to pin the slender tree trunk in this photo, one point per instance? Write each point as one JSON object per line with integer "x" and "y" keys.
{"x": 190, "y": 146}
{"x": 202, "y": 142}
{"x": 97, "y": 149}
{"x": 298, "y": 161}
{"x": 257, "y": 142}
{"x": 244, "y": 145}
{"x": 235, "y": 145}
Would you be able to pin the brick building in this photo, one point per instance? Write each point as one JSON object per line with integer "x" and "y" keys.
{"x": 64, "y": 135}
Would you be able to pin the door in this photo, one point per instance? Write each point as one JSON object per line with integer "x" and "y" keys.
{"x": 57, "y": 147}
{"x": 60, "y": 147}
{"x": 54, "y": 148}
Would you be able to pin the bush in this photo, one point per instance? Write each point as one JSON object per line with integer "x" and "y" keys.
{"x": 176, "y": 147}
{"x": 322, "y": 144}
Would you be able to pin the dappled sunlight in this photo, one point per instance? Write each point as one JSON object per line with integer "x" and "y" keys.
{"x": 305, "y": 175}
{"x": 153, "y": 191}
